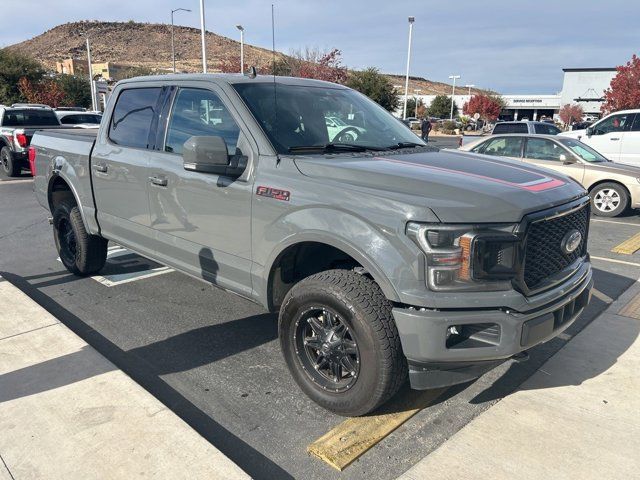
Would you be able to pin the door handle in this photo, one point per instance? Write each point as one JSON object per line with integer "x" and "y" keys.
{"x": 160, "y": 181}
{"x": 101, "y": 167}
{"x": 615, "y": 138}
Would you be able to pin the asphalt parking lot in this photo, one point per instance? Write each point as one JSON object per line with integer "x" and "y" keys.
{"x": 214, "y": 359}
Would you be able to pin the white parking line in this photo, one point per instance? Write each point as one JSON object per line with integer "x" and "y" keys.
{"x": 617, "y": 223}
{"x": 613, "y": 260}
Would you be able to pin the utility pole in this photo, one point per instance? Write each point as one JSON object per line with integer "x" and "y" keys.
{"x": 406, "y": 82}
{"x": 173, "y": 48}
{"x": 204, "y": 41}
{"x": 417, "y": 92}
{"x": 453, "y": 93}
{"x": 93, "y": 90}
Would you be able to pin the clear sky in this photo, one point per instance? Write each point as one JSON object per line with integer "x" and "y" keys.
{"x": 517, "y": 46}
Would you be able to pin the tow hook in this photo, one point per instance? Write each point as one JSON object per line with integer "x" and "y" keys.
{"x": 521, "y": 357}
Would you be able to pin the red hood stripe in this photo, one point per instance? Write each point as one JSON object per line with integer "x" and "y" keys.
{"x": 545, "y": 183}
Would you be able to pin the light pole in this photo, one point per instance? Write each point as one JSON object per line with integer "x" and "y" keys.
{"x": 173, "y": 48}
{"x": 453, "y": 92}
{"x": 469, "y": 87}
{"x": 406, "y": 82}
{"x": 417, "y": 92}
{"x": 202, "y": 34}
{"x": 241, "y": 28}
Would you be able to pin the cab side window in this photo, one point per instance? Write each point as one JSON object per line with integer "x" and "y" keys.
{"x": 199, "y": 112}
{"x": 135, "y": 111}
{"x": 615, "y": 123}
{"x": 543, "y": 149}
{"x": 504, "y": 147}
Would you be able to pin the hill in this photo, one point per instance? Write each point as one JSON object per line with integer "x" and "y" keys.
{"x": 138, "y": 44}
{"x": 148, "y": 45}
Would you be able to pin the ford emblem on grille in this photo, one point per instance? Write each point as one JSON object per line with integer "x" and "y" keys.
{"x": 571, "y": 241}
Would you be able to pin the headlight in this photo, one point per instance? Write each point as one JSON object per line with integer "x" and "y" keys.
{"x": 467, "y": 257}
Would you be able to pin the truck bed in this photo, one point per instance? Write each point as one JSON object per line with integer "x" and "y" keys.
{"x": 73, "y": 145}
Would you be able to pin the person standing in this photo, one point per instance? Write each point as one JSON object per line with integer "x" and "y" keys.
{"x": 425, "y": 126}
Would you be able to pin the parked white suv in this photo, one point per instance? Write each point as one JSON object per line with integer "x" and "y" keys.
{"x": 616, "y": 136}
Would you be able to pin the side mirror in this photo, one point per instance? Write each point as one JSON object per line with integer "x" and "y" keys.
{"x": 567, "y": 160}
{"x": 210, "y": 155}
{"x": 589, "y": 131}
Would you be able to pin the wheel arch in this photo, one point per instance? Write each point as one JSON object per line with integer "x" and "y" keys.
{"x": 600, "y": 182}
{"x": 323, "y": 252}
{"x": 60, "y": 188}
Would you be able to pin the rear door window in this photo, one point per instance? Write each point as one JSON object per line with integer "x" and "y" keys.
{"x": 504, "y": 147}
{"x": 134, "y": 113}
{"x": 543, "y": 149}
{"x": 198, "y": 112}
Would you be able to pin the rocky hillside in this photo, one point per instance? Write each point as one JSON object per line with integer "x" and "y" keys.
{"x": 149, "y": 45}
{"x": 428, "y": 87}
{"x": 138, "y": 44}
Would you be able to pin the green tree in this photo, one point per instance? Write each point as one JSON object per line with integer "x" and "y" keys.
{"x": 411, "y": 107}
{"x": 441, "y": 107}
{"x": 77, "y": 92}
{"x": 13, "y": 67}
{"x": 375, "y": 86}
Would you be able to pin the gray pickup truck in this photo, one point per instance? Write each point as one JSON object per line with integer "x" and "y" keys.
{"x": 385, "y": 258}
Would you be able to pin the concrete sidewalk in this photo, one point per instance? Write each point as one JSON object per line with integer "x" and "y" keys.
{"x": 68, "y": 413}
{"x": 576, "y": 418}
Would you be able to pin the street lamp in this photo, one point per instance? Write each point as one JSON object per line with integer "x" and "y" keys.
{"x": 453, "y": 92}
{"x": 417, "y": 92}
{"x": 241, "y": 28}
{"x": 173, "y": 48}
{"x": 406, "y": 82}
{"x": 94, "y": 106}
{"x": 203, "y": 32}
{"x": 469, "y": 87}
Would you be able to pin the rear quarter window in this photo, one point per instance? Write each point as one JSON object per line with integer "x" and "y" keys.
{"x": 547, "y": 129}
{"x": 132, "y": 117}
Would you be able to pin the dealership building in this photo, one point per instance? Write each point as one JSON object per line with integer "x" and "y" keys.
{"x": 584, "y": 86}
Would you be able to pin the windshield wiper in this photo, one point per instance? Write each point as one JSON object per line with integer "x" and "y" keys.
{"x": 334, "y": 147}
{"x": 400, "y": 145}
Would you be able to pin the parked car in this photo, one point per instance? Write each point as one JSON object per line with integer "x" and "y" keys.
{"x": 17, "y": 125}
{"x": 412, "y": 122}
{"x": 525, "y": 127}
{"x": 386, "y": 259}
{"x": 79, "y": 119}
{"x": 616, "y": 136}
{"x": 613, "y": 187}
{"x": 340, "y": 131}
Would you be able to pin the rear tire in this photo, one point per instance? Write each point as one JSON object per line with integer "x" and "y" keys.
{"x": 9, "y": 165}
{"x": 358, "y": 334}
{"x": 609, "y": 199}
{"x": 82, "y": 254}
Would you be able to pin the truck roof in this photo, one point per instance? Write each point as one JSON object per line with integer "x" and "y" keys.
{"x": 232, "y": 78}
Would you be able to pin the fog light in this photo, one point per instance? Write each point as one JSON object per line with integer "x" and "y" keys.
{"x": 452, "y": 331}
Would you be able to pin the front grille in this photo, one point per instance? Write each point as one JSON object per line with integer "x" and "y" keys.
{"x": 543, "y": 253}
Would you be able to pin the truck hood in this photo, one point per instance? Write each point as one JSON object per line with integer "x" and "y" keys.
{"x": 459, "y": 187}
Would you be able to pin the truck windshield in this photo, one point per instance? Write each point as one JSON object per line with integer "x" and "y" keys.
{"x": 29, "y": 118}
{"x": 318, "y": 117}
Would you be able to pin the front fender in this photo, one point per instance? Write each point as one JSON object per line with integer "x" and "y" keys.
{"x": 384, "y": 253}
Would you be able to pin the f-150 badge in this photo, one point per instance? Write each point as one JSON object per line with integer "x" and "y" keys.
{"x": 275, "y": 193}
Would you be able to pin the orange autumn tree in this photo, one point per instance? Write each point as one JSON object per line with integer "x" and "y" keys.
{"x": 46, "y": 91}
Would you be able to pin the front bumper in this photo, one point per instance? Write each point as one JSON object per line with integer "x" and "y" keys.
{"x": 485, "y": 338}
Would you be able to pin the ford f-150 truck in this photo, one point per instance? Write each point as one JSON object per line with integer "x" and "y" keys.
{"x": 17, "y": 125}
{"x": 384, "y": 257}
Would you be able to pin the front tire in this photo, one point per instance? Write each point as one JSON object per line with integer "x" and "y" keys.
{"x": 82, "y": 254}
{"x": 9, "y": 164}
{"x": 609, "y": 199}
{"x": 341, "y": 343}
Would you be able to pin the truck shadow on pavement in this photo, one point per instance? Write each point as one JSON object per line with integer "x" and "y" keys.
{"x": 146, "y": 364}
{"x": 611, "y": 285}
